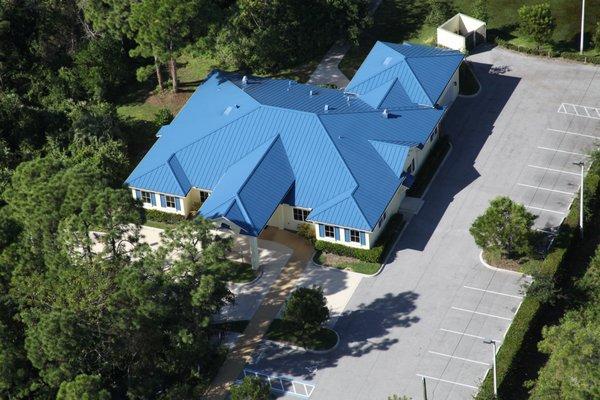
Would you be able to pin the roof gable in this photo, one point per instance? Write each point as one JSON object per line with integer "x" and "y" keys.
{"x": 393, "y": 154}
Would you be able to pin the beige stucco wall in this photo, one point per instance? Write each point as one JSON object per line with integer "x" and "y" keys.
{"x": 451, "y": 91}
{"x": 188, "y": 203}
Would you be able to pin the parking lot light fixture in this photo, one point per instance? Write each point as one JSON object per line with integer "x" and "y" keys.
{"x": 581, "y": 164}
{"x": 493, "y": 343}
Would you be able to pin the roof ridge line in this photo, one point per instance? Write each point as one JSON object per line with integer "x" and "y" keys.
{"x": 360, "y": 208}
{"x": 420, "y": 83}
{"x": 174, "y": 174}
{"x": 336, "y": 149}
{"x": 387, "y": 92}
{"x": 273, "y": 140}
{"x": 242, "y": 208}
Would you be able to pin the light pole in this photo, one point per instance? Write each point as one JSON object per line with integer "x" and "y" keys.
{"x": 581, "y": 164}
{"x": 582, "y": 26}
{"x": 493, "y": 343}
{"x": 424, "y": 388}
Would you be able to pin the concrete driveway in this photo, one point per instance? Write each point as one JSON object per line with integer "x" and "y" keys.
{"x": 429, "y": 311}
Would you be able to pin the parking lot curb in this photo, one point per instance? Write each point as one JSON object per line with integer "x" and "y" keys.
{"x": 304, "y": 349}
{"x": 380, "y": 270}
{"x": 253, "y": 281}
{"x": 488, "y": 266}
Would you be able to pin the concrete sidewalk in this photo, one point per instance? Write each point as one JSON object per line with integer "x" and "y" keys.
{"x": 242, "y": 351}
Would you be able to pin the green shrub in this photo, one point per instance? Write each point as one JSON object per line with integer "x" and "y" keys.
{"x": 371, "y": 255}
{"x": 164, "y": 217}
{"x": 164, "y": 116}
{"x": 374, "y": 255}
{"x": 307, "y": 307}
{"x": 307, "y": 231}
{"x": 251, "y": 388}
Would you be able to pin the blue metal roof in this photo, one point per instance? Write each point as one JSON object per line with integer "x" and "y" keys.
{"x": 412, "y": 74}
{"x": 254, "y": 141}
{"x": 248, "y": 192}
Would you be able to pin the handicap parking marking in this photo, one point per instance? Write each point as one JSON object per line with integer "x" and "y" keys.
{"x": 546, "y": 189}
{"x": 546, "y": 210}
{"x": 494, "y": 292}
{"x": 447, "y": 381}
{"x": 563, "y": 151}
{"x": 579, "y": 110}
{"x": 574, "y": 133}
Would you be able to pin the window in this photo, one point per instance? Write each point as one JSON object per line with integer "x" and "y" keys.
{"x": 146, "y": 198}
{"x": 170, "y": 200}
{"x": 354, "y": 236}
{"x": 203, "y": 196}
{"x": 329, "y": 231}
{"x": 300, "y": 214}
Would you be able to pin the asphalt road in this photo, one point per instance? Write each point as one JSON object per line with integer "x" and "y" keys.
{"x": 429, "y": 311}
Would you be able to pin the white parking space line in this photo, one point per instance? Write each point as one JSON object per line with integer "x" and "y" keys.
{"x": 480, "y": 313}
{"x": 546, "y": 210}
{"x": 546, "y": 189}
{"x": 574, "y": 133}
{"x": 459, "y": 358}
{"x": 555, "y": 170}
{"x": 447, "y": 381}
{"x": 467, "y": 334}
{"x": 492, "y": 292}
{"x": 562, "y": 151}
{"x": 579, "y": 110}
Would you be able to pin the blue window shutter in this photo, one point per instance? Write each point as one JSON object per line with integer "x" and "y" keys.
{"x": 153, "y": 198}
{"x": 321, "y": 230}
{"x": 362, "y": 238}
{"x": 177, "y": 203}
{"x": 138, "y": 194}
{"x": 163, "y": 201}
{"x": 336, "y": 233}
{"x": 347, "y": 235}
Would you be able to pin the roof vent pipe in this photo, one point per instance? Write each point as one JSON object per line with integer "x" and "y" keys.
{"x": 326, "y": 107}
{"x": 244, "y": 80}
{"x": 311, "y": 93}
{"x": 385, "y": 113}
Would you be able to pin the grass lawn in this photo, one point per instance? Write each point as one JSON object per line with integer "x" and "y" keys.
{"x": 238, "y": 272}
{"x": 349, "y": 263}
{"x": 288, "y": 332}
{"x": 428, "y": 169}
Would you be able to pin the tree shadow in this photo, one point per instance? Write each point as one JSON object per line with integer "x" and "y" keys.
{"x": 367, "y": 328}
{"x": 468, "y": 123}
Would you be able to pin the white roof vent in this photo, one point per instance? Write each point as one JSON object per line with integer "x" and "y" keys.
{"x": 228, "y": 110}
{"x": 326, "y": 107}
{"x": 311, "y": 93}
{"x": 387, "y": 61}
{"x": 385, "y": 113}
{"x": 244, "y": 80}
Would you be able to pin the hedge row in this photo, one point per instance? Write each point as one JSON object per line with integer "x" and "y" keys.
{"x": 374, "y": 255}
{"x": 526, "y": 327}
{"x": 164, "y": 217}
{"x": 371, "y": 255}
{"x": 548, "y": 53}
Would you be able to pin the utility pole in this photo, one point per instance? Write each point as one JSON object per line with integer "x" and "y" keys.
{"x": 582, "y": 26}
{"x": 424, "y": 388}
{"x": 493, "y": 343}
{"x": 581, "y": 164}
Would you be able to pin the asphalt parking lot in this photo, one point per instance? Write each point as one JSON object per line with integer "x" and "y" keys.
{"x": 430, "y": 310}
{"x": 551, "y": 179}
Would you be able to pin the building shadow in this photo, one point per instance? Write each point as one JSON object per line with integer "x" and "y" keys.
{"x": 367, "y": 328}
{"x": 469, "y": 123}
